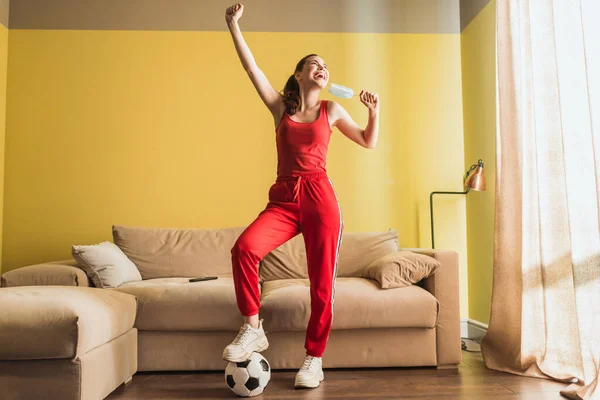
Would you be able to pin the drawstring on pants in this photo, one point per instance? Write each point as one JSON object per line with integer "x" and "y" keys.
{"x": 297, "y": 187}
{"x": 299, "y": 178}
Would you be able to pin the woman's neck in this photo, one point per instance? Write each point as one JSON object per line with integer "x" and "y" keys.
{"x": 308, "y": 99}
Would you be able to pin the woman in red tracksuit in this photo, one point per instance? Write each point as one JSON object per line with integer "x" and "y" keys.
{"x": 302, "y": 200}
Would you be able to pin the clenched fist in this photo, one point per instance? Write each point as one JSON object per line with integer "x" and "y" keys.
{"x": 370, "y": 100}
{"x": 234, "y": 13}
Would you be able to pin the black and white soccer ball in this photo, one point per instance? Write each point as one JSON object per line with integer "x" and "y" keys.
{"x": 248, "y": 378}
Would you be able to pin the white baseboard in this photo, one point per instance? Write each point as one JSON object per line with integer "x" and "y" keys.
{"x": 469, "y": 328}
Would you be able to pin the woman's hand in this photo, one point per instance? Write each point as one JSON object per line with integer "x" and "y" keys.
{"x": 234, "y": 13}
{"x": 370, "y": 100}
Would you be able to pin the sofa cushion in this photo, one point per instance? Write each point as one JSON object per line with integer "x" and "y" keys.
{"x": 105, "y": 264}
{"x": 51, "y": 322}
{"x": 177, "y": 252}
{"x": 357, "y": 250}
{"x": 54, "y": 273}
{"x": 400, "y": 269}
{"x": 359, "y": 303}
{"x": 175, "y": 304}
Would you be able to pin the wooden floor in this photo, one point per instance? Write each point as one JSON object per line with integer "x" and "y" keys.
{"x": 472, "y": 380}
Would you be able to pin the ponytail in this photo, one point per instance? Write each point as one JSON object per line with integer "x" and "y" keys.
{"x": 291, "y": 95}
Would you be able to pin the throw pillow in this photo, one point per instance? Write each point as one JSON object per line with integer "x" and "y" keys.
{"x": 400, "y": 269}
{"x": 105, "y": 264}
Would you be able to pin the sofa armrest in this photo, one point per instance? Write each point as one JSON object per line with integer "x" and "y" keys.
{"x": 62, "y": 273}
{"x": 444, "y": 286}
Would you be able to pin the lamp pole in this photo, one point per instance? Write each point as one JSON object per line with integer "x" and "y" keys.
{"x": 431, "y": 210}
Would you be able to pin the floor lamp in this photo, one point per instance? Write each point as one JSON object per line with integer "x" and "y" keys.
{"x": 474, "y": 179}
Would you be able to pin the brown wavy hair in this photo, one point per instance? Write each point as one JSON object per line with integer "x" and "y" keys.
{"x": 291, "y": 91}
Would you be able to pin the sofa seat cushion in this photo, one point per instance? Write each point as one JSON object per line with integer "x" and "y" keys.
{"x": 175, "y": 304}
{"x": 359, "y": 303}
{"x": 60, "y": 322}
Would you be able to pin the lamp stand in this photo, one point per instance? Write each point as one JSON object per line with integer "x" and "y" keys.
{"x": 431, "y": 210}
{"x": 475, "y": 181}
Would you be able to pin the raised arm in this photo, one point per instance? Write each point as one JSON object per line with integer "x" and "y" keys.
{"x": 271, "y": 97}
{"x": 366, "y": 137}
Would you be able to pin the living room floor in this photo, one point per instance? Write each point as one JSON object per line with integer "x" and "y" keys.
{"x": 472, "y": 380}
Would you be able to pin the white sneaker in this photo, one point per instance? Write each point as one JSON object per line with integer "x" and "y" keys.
{"x": 311, "y": 373}
{"x": 247, "y": 341}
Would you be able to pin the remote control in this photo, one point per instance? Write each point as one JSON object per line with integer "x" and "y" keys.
{"x": 203, "y": 278}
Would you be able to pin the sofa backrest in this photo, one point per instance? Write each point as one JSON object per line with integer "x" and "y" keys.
{"x": 192, "y": 252}
{"x": 178, "y": 252}
{"x": 357, "y": 250}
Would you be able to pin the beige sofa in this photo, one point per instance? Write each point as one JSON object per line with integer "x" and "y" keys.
{"x": 185, "y": 326}
{"x": 67, "y": 343}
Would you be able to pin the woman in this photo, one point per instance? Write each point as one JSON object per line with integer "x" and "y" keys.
{"x": 302, "y": 200}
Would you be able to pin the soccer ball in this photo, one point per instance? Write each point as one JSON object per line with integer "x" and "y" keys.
{"x": 248, "y": 378}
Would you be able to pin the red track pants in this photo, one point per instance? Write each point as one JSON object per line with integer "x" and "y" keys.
{"x": 304, "y": 204}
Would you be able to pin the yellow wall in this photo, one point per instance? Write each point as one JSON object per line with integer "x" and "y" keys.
{"x": 3, "y": 68}
{"x": 478, "y": 72}
{"x": 164, "y": 129}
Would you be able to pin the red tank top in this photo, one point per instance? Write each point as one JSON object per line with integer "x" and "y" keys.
{"x": 302, "y": 147}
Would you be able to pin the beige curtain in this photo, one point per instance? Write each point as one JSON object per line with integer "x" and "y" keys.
{"x": 545, "y": 317}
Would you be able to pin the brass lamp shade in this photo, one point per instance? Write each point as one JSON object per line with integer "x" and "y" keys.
{"x": 476, "y": 180}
